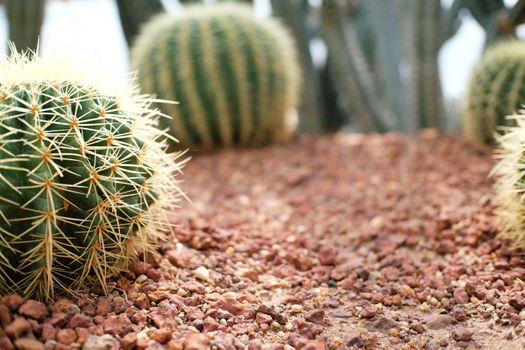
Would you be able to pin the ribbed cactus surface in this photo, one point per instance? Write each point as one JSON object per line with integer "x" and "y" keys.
{"x": 83, "y": 179}
{"x": 497, "y": 89}
{"x": 25, "y": 19}
{"x": 236, "y": 76}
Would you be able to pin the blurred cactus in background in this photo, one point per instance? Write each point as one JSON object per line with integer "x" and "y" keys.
{"x": 498, "y": 21}
{"x": 497, "y": 89}
{"x": 236, "y": 76}
{"x": 25, "y": 19}
{"x": 368, "y": 44}
{"x": 295, "y": 15}
{"x": 134, "y": 13}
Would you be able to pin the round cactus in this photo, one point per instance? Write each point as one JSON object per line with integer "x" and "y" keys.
{"x": 510, "y": 182}
{"x": 236, "y": 76}
{"x": 84, "y": 177}
{"x": 497, "y": 89}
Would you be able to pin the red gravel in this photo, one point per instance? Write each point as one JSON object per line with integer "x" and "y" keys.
{"x": 345, "y": 241}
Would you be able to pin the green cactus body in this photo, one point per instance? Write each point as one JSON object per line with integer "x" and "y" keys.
{"x": 235, "y": 76}
{"x": 25, "y": 19}
{"x": 81, "y": 184}
{"x": 497, "y": 89}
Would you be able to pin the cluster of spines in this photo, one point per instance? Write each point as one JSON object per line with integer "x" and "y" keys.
{"x": 497, "y": 89}
{"x": 79, "y": 183}
{"x": 235, "y": 76}
{"x": 510, "y": 182}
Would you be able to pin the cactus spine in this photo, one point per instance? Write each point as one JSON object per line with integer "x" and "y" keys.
{"x": 510, "y": 183}
{"x": 84, "y": 178}
{"x": 236, "y": 76}
{"x": 134, "y": 13}
{"x": 497, "y": 89}
{"x": 25, "y": 19}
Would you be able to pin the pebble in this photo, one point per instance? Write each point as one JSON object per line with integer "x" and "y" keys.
{"x": 202, "y": 273}
{"x": 296, "y": 308}
{"x": 438, "y": 321}
{"x": 34, "y": 309}
{"x": 462, "y": 334}
{"x": 196, "y": 341}
{"x": 18, "y": 327}
{"x": 28, "y": 344}
{"x": 104, "y": 342}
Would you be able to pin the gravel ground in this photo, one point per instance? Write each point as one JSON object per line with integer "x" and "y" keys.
{"x": 344, "y": 241}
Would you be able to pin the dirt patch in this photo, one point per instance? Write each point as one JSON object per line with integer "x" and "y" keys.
{"x": 345, "y": 241}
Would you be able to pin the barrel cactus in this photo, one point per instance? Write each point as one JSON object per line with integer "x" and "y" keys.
{"x": 236, "y": 76}
{"x": 85, "y": 181}
{"x": 497, "y": 89}
{"x": 510, "y": 182}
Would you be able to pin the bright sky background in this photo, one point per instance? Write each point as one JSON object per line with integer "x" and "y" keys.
{"x": 92, "y": 28}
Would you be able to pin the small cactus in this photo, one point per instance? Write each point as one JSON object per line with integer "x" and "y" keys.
{"x": 510, "y": 182}
{"x": 497, "y": 89}
{"x": 84, "y": 179}
{"x": 236, "y": 76}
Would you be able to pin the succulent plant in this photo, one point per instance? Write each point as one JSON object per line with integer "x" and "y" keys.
{"x": 236, "y": 76}
{"x": 497, "y": 89}
{"x": 510, "y": 182}
{"x": 84, "y": 177}
{"x": 25, "y": 19}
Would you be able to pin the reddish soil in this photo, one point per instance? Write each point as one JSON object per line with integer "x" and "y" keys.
{"x": 337, "y": 242}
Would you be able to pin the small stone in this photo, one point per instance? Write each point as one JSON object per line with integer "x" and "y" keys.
{"x": 48, "y": 332}
{"x": 308, "y": 329}
{"x": 104, "y": 307}
{"x": 460, "y": 296}
{"x": 462, "y": 334}
{"x": 66, "y": 336}
{"x": 117, "y": 325}
{"x": 28, "y": 344}
{"x": 18, "y": 327}
{"x": 34, "y": 309}
{"x": 459, "y": 313}
{"x": 128, "y": 341}
{"x": 104, "y": 342}
{"x": 5, "y": 315}
{"x": 446, "y": 246}
{"x": 354, "y": 339}
{"x": 438, "y": 321}
{"x": 393, "y": 332}
{"x": 13, "y": 301}
{"x": 418, "y": 327}
{"x": 202, "y": 273}
{"x": 196, "y": 341}
{"x": 80, "y": 320}
{"x": 316, "y": 316}
{"x": 142, "y": 301}
{"x": 231, "y": 305}
{"x": 263, "y": 318}
{"x": 162, "y": 335}
{"x": 368, "y": 312}
{"x": 296, "y": 308}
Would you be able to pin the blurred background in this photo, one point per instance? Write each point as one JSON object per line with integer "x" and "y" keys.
{"x": 92, "y": 27}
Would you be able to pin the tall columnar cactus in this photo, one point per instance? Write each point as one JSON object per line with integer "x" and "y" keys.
{"x": 134, "y": 13}
{"x": 510, "y": 182}
{"x": 25, "y": 19}
{"x": 236, "y": 76}
{"x": 295, "y": 15}
{"x": 497, "y": 89}
{"x": 84, "y": 177}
